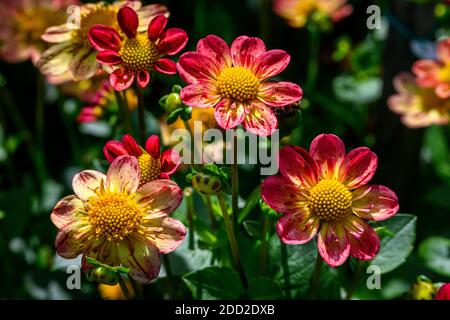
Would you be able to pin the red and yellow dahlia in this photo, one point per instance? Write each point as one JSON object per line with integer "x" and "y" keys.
{"x": 152, "y": 163}
{"x": 418, "y": 107}
{"x": 298, "y": 12}
{"x": 138, "y": 54}
{"x": 435, "y": 73}
{"x": 22, "y": 23}
{"x": 234, "y": 82}
{"x": 72, "y": 51}
{"x": 325, "y": 192}
{"x": 113, "y": 220}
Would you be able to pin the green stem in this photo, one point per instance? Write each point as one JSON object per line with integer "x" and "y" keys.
{"x": 125, "y": 113}
{"x": 189, "y": 193}
{"x": 232, "y": 240}
{"x": 211, "y": 216}
{"x": 313, "y": 61}
{"x": 170, "y": 282}
{"x": 124, "y": 288}
{"x": 141, "y": 112}
{"x": 316, "y": 277}
{"x": 355, "y": 281}
{"x": 234, "y": 181}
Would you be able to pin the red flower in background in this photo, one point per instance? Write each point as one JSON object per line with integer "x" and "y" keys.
{"x": 443, "y": 292}
{"x": 140, "y": 53}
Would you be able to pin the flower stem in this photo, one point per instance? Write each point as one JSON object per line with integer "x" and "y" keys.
{"x": 356, "y": 278}
{"x": 234, "y": 181}
{"x": 314, "y": 51}
{"x": 232, "y": 240}
{"x": 141, "y": 112}
{"x": 170, "y": 282}
{"x": 189, "y": 193}
{"x": 124, "y": 288}
{"x": 210, "y": 212}
{"x": 316, "y": 277}
{"x": 125, "y": 113}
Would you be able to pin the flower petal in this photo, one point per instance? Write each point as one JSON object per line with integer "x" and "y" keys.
{"x": 113, "y": 149}
{"x": 229, "y": 114}
{"x": 121, "y": 79}
{"x": 200, "y": 95}
{"x": 84, "y": 64}
{"x": 279, "y": 94}
{"x": 160, "y": 196}
{"x": 194, "y": 68}
{"x": 443, "y": 293}
{"x": 443, "y": 50}
{"x": 364, "y": 241}
{"x": 103, "y": 251}
{"x": 156, "y": 27}
{"x": 123, "y": 175}
{"x": 281, "y": 195}
{"x": 104, "y": 38}
{"x": 271, "y": 63}
{"x": 166, "y": 66}
{"x": 86, "y": 183}
{"x": 67, "y": 211}
{"x": 374, "y": 202}
{"x": 245, "y": 50}
{"x": 297, "y": 228}
{"x": 358, "y": 167}
{"x": 57, "y": 34}
{"x": 443, "y": 90}
{"x": 333, "y": 243}
{"x": 153, "y": 146}
{"x": 170, "y": 161}
{"x": 149, "y": 12}
{"x": 172, "y": 41}
{"x": 143, "y": 78}
{"x": 55, "y": 60}
{"x": 297, "y": 166}
{"x": 215, "y": 49}
{"x": 328, "y": 151}
{"x": 109, "y": 57}
{"x": 131, "y": 146}
{"x": 70, "y": 243}
{"x": 128, "y": 21}
{"x": 164, "y": 232}
{"x": 260, "y": 119}
{"x": 427, "y": 72}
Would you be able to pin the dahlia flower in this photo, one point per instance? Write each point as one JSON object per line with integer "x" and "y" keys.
{"x": 443, "y": 293}
{"x": 72, "y": 51}
{"x": 152, "y": 163}
{"x": 113, "y": 220}
{"x": 435, "y": 73}
{"x": 234, "y": 82}
{"x": 22, "y": 23}
{"x": 298, "y": 12}
{"x": 418, "y": 107}
{"x": 138, "y": 54}
{"x": 325, "y": 192}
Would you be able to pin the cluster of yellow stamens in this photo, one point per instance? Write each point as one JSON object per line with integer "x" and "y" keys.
{"x": 114, "y": 215}
{"x": 150, "y": 168}
{"x": 238, "y": 84}
{"x": 139, "y": 53}
{"x": 330, "y": 200}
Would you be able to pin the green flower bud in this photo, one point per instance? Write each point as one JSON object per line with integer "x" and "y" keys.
{"x": 206, "y": 184}
{"x": 104, "y": 275}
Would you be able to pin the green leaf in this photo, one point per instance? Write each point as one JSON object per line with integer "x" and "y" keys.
{"x": 253, "y": 228}
{"x": 264, "y": 289}
{"x": 173, "y": 116}
{"x": 204, "y": 232}
{"x": 251, "y": 202}
{"x": 214, "y": 283}
{"x": 436, "y": 146}
{"x": 395, "y": 249}
{"x": 435, "y": 251}
{"x": 185, "y": 260}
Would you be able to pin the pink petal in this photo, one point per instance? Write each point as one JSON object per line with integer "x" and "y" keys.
{"x": 123, "y": 175}
{"x": 333, "y": 243}
{"x": 297, "y": 166}
{"x": 364, "y": 241}
{"x": 104, "y": 38}
{"x": 229, "y": 114}
{"x": 156, "y": 27}
{"x": 443, "y": 293}
{"x": 172, "y": 41}
{"x": 160, "y": 196}
{"x": 57, "y": 34}
{"x": 443, "y": 50}
{"x": 216, "y": 50}
{"x": 83, "y": 65}
{"x": 67, "y": 211}
{"x": 69, "y": 244}
{"x": 245, "y": 51}
{"x": 443, "y": 90}
{"x": 279, "y": 94}
{"x": 405, "y": 82}
{"x": 128, "y": 21}
{"x": 281, "y": 195}
{"x": 427, "y": 72}
{"x": 374, "y": 202}
{"x": 271, "y": 63}
{"x": 297, "y": 228}
{"x": 194, "y": 67}
{"x": 164, "y": 232}
{"x": 109, "y": 57}
{"x": 121, "y": 79}
{"x": 143, "y": 78}
{"x": 328, "y": 151}
{"x": 166, "y": 66}
{"x": 358, "y": 167}
{"x": 103, "y": 251}
{"x": 260, "y": 119}
{"x": 153, "y": 146}
{"x": 170, "y": 161}
{"x": 131, "y": 146}
{"x": 86, "y": 183}
{"x": 113, "y": 149}
{"x": 200, "y": 95}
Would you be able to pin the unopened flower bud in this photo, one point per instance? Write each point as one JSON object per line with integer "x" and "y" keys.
{"x": 206, "y": 184}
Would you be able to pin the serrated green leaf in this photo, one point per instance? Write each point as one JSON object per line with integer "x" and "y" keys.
{"x": 264, "y": 289}
{"x": 435, "y": 251}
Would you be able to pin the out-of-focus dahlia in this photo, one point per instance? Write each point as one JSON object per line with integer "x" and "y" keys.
{"x": 113, "y": 220}
{"x": 443, "y": 293}
{"x": 298, "y": 12}
{"x": 152, "y": 163}
{"x": 418, "y": 107}
{"x": 22, "y": 23}
{"x": 235, "y": 82}
{"x": 325, "y": 192}
{"x": 435, "y": 73}
{"x": 139, "y": 53}
{"x": 72, "y": 51}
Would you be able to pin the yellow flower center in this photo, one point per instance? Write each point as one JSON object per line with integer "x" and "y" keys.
{"x": 238, "y": 84}
{"x": 330, "y": 200}
{"x": 150, "y": 168}
{"x": 444, "y": 73}
{"x": 114, "y": 215}
{"x": 139, "y": 53}
{"x": 96, "y": 14}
